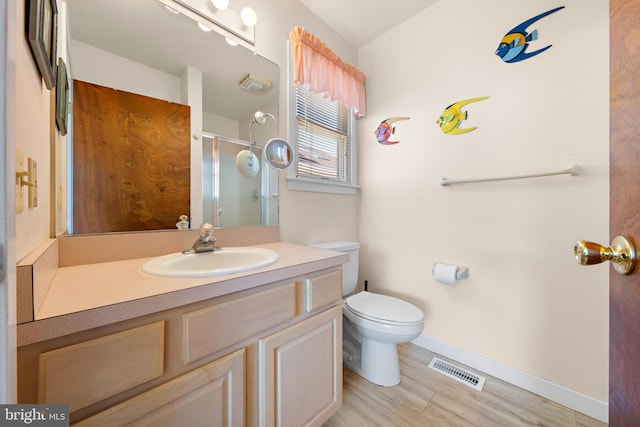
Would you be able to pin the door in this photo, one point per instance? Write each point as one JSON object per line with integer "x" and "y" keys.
{"x": 131, "y": 161}
{"x": 624, "y": 336}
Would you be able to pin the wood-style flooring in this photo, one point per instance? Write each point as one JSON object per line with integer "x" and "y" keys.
{"x": 427, "y": 398}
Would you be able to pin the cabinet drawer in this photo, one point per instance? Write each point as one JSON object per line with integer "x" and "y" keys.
{"x": 212, "y": 395}
{"x": 212, "y": 329}
{"x": 85, "y": 373}
{"x": 322, "y": 290}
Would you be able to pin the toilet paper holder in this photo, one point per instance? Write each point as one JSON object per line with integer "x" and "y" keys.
{"x": 461, "y": 271}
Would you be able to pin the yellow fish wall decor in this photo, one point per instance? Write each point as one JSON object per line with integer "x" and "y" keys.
{"x": 452, "y": 117}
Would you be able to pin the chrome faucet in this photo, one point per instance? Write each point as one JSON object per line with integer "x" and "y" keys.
{"x": 204, "y": 243}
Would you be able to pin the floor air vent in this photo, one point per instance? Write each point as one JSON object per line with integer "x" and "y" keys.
{"x": 458, "y": 374}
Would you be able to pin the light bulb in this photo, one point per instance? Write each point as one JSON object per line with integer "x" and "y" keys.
{"x": 248, "y": 17}
{"x": 204, "y": 27}
{"x": 231, "y": 42}
{"x": 220, "y": 4}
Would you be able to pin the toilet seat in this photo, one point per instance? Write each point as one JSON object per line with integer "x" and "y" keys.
{"x": 384, "y": 309}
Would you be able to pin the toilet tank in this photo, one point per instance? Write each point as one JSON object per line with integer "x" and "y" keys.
{"x": 350, "y": 268}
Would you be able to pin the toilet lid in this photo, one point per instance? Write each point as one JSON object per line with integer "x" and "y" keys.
{"x": 384, "y": 308}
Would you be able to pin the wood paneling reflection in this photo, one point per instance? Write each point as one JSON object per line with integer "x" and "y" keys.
{"x": 131, "y": 161}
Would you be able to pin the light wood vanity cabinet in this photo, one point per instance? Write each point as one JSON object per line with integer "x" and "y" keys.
{"x": 268, "y": 356}
{"x": 212, "y": 395}
{"x": 300, "y": 372}
{"x": 87, "y": 372}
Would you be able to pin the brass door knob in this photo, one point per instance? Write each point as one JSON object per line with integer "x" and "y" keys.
{"x": 621, "y": 252}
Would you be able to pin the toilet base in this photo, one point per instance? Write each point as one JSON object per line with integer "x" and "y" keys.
{"x": 378, "y": 363}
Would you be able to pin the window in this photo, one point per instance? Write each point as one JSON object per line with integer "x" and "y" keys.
{"x": 324, "y": 133}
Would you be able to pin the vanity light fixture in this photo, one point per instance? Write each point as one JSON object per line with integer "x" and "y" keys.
{"x": 248, "y": 17}
{"x": 226, "y": 22}
{"x": 204, "y": 27}
{"x": 220, "y": 4}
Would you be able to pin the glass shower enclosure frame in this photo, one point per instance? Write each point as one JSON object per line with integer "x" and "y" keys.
{"x": 229, "y": 198}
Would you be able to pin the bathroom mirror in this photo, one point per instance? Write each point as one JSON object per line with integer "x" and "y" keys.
{"x": 278, "y": 153}
{"x": 146, "y": 33}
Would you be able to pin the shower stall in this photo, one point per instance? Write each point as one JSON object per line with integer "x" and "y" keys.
{"x": 229, "y": 198}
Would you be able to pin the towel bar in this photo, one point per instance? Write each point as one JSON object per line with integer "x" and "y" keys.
{"x": 573, "y": 170}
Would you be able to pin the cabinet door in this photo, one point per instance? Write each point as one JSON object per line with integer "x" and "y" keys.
{"x": 212, "y": 395}
{"x": 300, "y": 372}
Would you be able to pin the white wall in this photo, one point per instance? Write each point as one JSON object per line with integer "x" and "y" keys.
{"x": 97, "y": 66}
{"x": 213, "y": 123}
{"x": 527, "y": 304}
{"x": 33, "y": 124}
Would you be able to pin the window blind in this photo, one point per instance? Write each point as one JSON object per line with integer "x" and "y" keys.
{"x": 323, "y": 128}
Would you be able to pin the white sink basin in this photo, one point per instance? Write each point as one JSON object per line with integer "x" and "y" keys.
{"x": 205, "y": 264}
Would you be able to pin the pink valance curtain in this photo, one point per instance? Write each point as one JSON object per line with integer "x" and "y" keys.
{"x": 316, "y": 65}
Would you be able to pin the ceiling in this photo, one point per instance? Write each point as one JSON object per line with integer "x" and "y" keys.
{"x": 361, "y": 21}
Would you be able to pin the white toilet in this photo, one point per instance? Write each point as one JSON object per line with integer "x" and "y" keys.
{"x": 374, "y": 324}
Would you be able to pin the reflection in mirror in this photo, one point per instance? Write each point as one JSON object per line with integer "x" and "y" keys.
{"x": 132, "y": 161}
{"x": 245, "y": 201}
{"x": 139, "y": 47}
{"x": 278, "y": 153}
{"x": 247, "y": 163}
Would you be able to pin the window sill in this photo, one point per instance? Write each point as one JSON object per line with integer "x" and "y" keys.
{"x": 320, "y": 186}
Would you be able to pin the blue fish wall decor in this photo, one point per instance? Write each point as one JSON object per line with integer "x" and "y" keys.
{"x": 385, "y": 130}
{"x": 513, "y": 46}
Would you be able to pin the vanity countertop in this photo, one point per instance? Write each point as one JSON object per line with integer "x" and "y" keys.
{"x": 82, "y": 297}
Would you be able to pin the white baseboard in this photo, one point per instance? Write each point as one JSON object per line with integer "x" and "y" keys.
{"x": 557, "y": 393}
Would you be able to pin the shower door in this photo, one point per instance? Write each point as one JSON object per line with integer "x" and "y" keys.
{"x": 229, "y": 198}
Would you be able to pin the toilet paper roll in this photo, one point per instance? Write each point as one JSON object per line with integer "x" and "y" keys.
{"x": 449, "y": 274}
